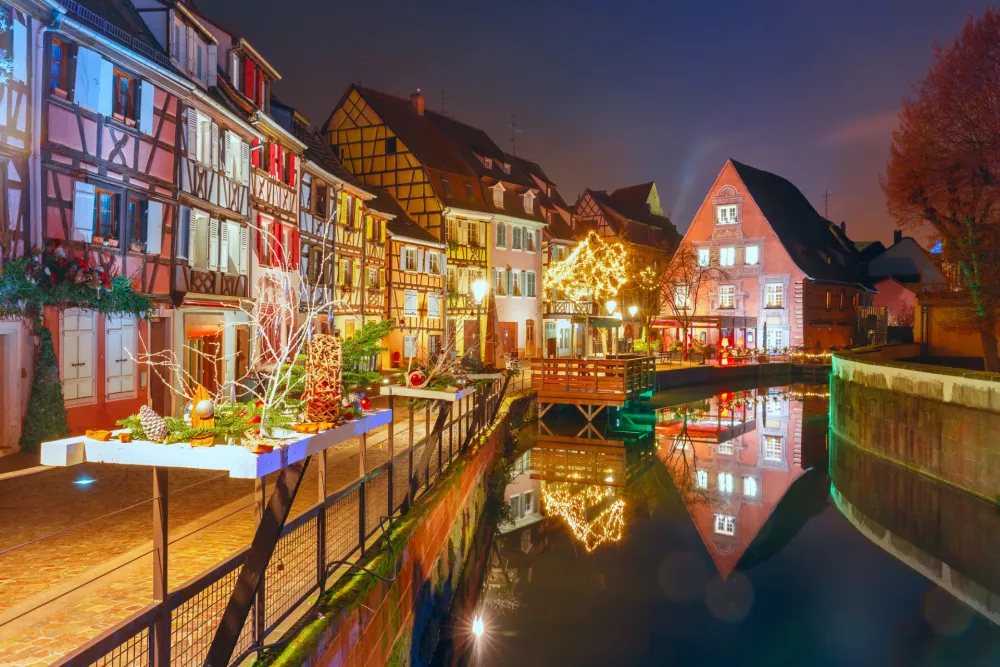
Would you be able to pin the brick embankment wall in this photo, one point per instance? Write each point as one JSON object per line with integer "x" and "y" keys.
{"x": 941, "y": 422}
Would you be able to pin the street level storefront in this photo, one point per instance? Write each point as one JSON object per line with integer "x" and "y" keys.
{"x": 722, "y": 331}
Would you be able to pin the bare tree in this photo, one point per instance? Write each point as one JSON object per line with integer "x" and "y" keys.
{"x": 684, "y": 287}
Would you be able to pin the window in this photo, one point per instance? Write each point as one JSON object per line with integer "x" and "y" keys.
{"x": 447, "y": 188}
{"x": 727, "y": 256}
{"x": 58, "y": 67}
{"x": 390, "y": 146}
{"x": 704, "y": 256}
{"x": 469, "y": 193}
{"x": 433, "y": 263}
{"x": 344, "y": 275}
{"x": 515, "y": 241}
{"x": 236, "y": 151}
{"x": 136, "y": 221}
{"x": 124, "y": 96}
{"x": 774, "y": 295}
{"x": 321, "y": 208}
{"x": 749, "y": 487}
{"x": 725, "y": 481}
{"x": 410, "y": 303}
{"x": 725, "y": 447}
{"x": 681, "y": 296}
{"x": 498, "y": 283}
{"x": 701, "y": 479}
{"x": 348, "y": 203}
{"x": 373, "y": 281}
{"x": 529, "y": 240}
{"x": 772, "y": 448}
{"x": 751, "y": 255}
{"x": 452, "y": 229}
{"x": 77, "y": 353}
{"x": 409, "y": 259}
{"x": 725, "y": 524}
{"x": 828, "y": 299}
{"x": 727, "y": 296}
{"x": 501, "y": 235}
{"x": 529, "y": 203}
{"x": 488, "y": 162}
{"x": 202, "y": 149}
{"x": 506, "y": 167}
{"x": 105, "y": 214}
{"x": 474, "y": 234}
{"x": 452, "y": 279}
{"x": 120, "y": 345}
{"x": 530, "y": 291}
{"x": 233, "y": 250}
{"x": 433, "y": 305}
{"x": 498, "y": 195}
{"x": 841, "y": 299}
{"x": 199, "y": 253}
{"x": 515, "y": 506}
{"x": 409, "y": 346}
{"x": 726, "y": 215}
{"x": 528, "y": 503}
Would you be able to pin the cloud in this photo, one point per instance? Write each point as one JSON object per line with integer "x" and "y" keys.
{"x": 875, "y": 126}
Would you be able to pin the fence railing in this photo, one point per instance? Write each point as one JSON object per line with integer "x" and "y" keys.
{"x": 611, "y": 379}
{"x": 114, "y": 31}
{"x": 332, "y": 532}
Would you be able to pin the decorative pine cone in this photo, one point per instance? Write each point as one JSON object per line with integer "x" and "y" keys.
{"x": 153, "y": 424}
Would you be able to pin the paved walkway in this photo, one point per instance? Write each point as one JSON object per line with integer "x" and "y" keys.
{"x": 59, "y": 592}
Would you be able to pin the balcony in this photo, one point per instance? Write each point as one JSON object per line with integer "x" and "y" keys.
{"x": 569, "y": 308}
{"x": 201, "y": 281}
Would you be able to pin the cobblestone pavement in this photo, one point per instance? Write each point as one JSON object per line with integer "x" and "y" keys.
{"x": 59, "y": 592}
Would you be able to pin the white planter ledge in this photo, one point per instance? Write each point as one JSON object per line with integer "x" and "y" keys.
{"x": 237, "y": 460}
{"x": 433, "y": 394}
{"x": 484, "y": 376}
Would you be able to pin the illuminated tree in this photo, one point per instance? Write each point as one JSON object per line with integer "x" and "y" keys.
{"x": 683, "y": 288}
{"x": 944, "y": 169}
{"x": 595, "y": 271}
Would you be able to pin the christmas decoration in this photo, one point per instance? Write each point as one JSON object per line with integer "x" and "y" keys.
{"x": 366, "y": 403}
{"x": 323, "y": 378}
{"x": 594, "y": 271}
{"x": 573, "y": 503}
{"x": 153, "y": 425}
{"x": 205, "y": 409}
{"x": 359, "y": 350}
{"x": 46, "y": 416}
{"x": 415, "y": 379}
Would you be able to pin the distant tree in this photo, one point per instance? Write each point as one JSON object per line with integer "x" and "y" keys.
{"x": 684, "y": 286}
{"x": 944, "y": 169}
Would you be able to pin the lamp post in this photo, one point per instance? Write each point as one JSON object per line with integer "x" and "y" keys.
{"x": 479, "y": 289}
{"x": 611, "y": 305}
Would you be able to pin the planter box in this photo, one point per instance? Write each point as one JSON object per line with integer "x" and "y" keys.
{"x": 237, "y": 460}
{"x": 432, "y": 394}
{"x": 485, "y": 376}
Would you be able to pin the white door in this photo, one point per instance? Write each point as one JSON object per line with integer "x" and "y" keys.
{"x": 775, "y": 338}
{"x": 78, "y": 352}
{"x": 119, "y": 353}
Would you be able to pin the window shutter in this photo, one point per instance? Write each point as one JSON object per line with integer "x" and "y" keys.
{"x": 249, "y": 78}
{"x": 255, "y": 152}
{"x": 272, "y": 168}
{"x": 213, "y": 245}
{"x": 154, "y": 227}
{"x": 259, "y": 90}
{"x": 274, "y": 238}
{"x": 192, "y": 50}
{"x": 444, "y": 264}
{"x": 192, "y": 133}
{"x": 106, "y": 88}
{"x": 86, "y": 88}
{"x": 245, "y": 162}
{"x": 215, "y": 146}
{"x": 20, "y": 48}
{"x": 357, "y": 276}
{"x": 493, "y": 280}
{"x": 402, "y": 258}
{"x": 510, "y": 282}
{"x": 244, "y": 249}
{"x": 224, "y": 246}
{"x": 296, "y": 248}
{"x": 381, "y": 278}
{"x": 213, "y": 57}
{"x": 291, "y": 169}
{"x": 234, "y": 71}
{"x": 420, "y": 260}
{"x": 229, "y": 156}
{"x": 83, "y": 210}
{"x": 146, "y": 95}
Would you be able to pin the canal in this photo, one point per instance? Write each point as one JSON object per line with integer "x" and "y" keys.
{"x": 724, "y": 527}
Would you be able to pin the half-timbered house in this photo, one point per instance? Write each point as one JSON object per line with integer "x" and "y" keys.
{"x": 417, "y": 265}
{"x": 111, "y": 114}
{"x": 210, "y": 281}
{"x": 395, "y": 144}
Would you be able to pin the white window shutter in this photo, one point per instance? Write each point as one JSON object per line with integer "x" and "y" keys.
{"x": 20, "y": 47}
{"x": 402, "y": 258}
{"x": 224, "y": 245}
{"x": 234, "y": 71}
{"x": 106, "y": 88}
{"x": 154, "y": 227}
{"x": 420, "y": 260}
{"x": 127, "y": 354}
{"x": 444, "y": 264}
{"x": 192, "y": 133}
{"x": 215, "y": 146}
{"x": 86, "y": 89}
{"x": 192, "y": 48}
{"x": 228, "y": 157}
{"x": 213, "y": 245}
{"x": 192, "y": 230}
{"x": 83, "y": 210}
{"x": 113, "y": 353}
{"x": 245, "y": 163}
{"x": 244, "y": 249}
{"x": 213, "y": 70}
{"x": 146, "y": 95}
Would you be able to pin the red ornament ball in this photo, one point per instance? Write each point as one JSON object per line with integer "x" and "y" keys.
{"x": 366, "y": 403}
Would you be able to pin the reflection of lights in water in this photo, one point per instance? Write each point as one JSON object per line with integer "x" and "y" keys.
{"x": 571, "y": 503}
{"x": 84, "y": 481}
{"x": 477, "y": 627}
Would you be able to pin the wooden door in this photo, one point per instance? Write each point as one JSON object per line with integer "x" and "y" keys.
{"x": 158, "y": 392}
{"x": 211, "y": 349}
{"x": 529, "y": 338}
{"x": 242, "y": 354}
{"x": 471, "y": 332}
{"x": 508, "y": 337}
{"x": 78, "y": 344}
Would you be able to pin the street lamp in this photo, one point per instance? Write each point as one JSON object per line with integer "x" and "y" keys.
{"x": 479, "y": 289}
{"x": 632, "y": 310}
{"x": 610, "y": 304}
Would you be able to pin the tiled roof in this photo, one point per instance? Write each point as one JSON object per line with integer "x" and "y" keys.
{"x": 317, "y": 150}
{"x": 534, "y": 169}
{"x": 560, "y": 229}
{"x": 401, "y": 224}
{"x": 618, "y": 216}
{"x": 816, "y": 245}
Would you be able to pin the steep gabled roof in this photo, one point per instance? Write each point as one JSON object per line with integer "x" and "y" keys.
{"x": 401, "y": 224}
{"x": 559, "y": 229}
{"x": 633, "y": 199}
{"x": 473, "y": 143}
{"x": 618, "y": 216}
{"x": 317, "y": 151}
{"x": 534, "y": 169}
{"x": 816, "y": 245}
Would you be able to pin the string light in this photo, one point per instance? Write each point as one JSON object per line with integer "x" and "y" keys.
{"x": 595, "y": 270}
{"x": 571, "y": 502}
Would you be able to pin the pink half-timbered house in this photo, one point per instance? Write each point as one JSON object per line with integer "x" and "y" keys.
{"x": 110, "y": 108}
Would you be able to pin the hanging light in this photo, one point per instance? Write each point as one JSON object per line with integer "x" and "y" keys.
{"x": 610, "y": 304}
{"x": 479, "y": 288}
{"x": 632, "y": 310}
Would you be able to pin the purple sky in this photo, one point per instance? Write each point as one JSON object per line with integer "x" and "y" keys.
{"x": 611, "y": 94}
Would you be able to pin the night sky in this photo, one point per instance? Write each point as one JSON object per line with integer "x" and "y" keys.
{"x": 608, "y": 94}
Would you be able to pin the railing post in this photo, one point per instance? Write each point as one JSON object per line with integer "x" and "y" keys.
{"x": 362, "y": 490}
{"x": 409, "y": 476}
{"x": 321, "y": 523}
{"x": 392, "y": 454}
{"x": 260, "y": 496}
{"x": 161, "y": 628}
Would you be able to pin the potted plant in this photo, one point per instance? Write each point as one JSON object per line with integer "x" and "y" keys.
{"x": 97, "y": 239}
{"x": 137, "y": 246}
{"x": 111, "y": 242}
{"x": 60, "y": 93}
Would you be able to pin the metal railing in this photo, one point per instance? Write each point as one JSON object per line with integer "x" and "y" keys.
{"x": 620, "y": 378}
{"x": 111, "y": 30}
{"x": 337, "y": 529}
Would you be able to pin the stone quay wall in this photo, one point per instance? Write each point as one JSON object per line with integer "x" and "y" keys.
{"x": 942, "y": 422}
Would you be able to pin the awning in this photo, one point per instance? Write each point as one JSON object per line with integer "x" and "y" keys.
{"x": 599, "y": 322}
{"x": 707, "y": 322}
{"x": 733, "y": 322}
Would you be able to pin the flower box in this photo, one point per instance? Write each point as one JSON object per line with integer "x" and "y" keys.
{"x": 456, "y": 393}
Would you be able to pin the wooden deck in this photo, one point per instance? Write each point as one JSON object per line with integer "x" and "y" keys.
{"x": 591, "y": 384}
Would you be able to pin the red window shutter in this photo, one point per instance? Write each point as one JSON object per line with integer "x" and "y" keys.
{"x": 279, "y": 164}
{"x": 259, "y": 90}
{"x": 296, "y": 249}
{"x": 255, "y": 150}
{"x": 249, "y": 78}
{"x": 272, "y": 158}
{"x": 291, "y": 169}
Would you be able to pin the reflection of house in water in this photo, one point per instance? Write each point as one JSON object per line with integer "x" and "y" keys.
{"x": 948, "y": 536}
{"x": 523, "y": 495}
{"x": 733, "y": 457}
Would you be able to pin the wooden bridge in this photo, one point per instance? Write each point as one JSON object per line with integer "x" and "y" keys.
{"x": 591, "y": 384}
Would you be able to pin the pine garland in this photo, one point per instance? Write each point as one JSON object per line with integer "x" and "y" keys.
{"x": 356, "y": 351}
{"x": 232, "y": 422}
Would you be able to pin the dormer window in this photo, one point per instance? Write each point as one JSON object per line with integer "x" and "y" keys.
{"x": 498, "y": 191}
{"x": 529, "y": 202}
{"x": 726, "y": 215}
{"x": 488, "y": 161}
{"x": 506, "y": 167}
{"x": 190, "y": 51}
{"x": 247, "y": 78}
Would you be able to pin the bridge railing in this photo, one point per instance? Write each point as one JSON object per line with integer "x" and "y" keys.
{"x": 607, "y": 378}
{"x": 335, "y": 530}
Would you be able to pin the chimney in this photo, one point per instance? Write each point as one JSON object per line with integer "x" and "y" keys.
{"x": 417, "y": 101}
{"x": 843, "y": 227}
{"x": 897, "y": 236}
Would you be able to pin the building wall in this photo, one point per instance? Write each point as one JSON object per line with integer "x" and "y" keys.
{"x": 421, "y": 325}
{"x": 897, "y": 298}
{"x": 939, "y": 325}
{"x": 518, "y": 310}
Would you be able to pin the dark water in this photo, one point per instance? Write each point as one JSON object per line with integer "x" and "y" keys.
{"x": 730, "y": 530}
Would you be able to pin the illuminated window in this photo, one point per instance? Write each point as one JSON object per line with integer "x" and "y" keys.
{"x": 727, "y": 256}
{"x": 774, "y": 295}
{"x": 410, "y": 303}
{"x": 725, "y": 447}
{"x": 390, "y": 146}
{"x": 529, "y": 203}
{"x": 433, "y": 305}
{"x": 704, "y": 256}
{"x": 749, "y": 487}
{"x": 58, "y": 66}
{"x": 409, "y": 259}
{"x": 529, "y": 240}
{"x": 488, "y": 161}
{"x": 727, "y": 296}
{"x": 124, "y": 97}
{"x": 752, "y": 255}
{"x": 829, "y": 298}
{"x": 498, "y": 283}
{"x": 772, "y": 448}
{"x": 433, "y": 263}
{"x": 498, "y": 195}
{"x": 409, "y": 346}
{"x": 726, "y": 215}
{"x": 725, "y": 524}
{"x": 725, "y": 482}
{"x": 681, "y": 296}
{"x": 701, "y": 479}
{"x": 506, "y": 167}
